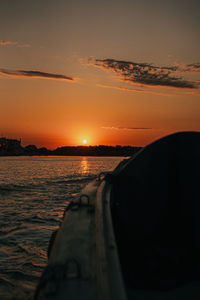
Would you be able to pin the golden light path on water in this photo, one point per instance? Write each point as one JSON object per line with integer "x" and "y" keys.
{"x": 84, "y": 165}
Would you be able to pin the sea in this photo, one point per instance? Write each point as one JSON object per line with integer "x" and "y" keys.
{"x": 34, "y": 192}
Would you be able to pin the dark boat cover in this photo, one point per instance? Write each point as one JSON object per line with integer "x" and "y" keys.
{"x": 156, "y": 213}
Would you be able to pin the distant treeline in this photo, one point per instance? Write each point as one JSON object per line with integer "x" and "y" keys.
{"x": 100, "y": 150}
{"x": 97, "y": 150}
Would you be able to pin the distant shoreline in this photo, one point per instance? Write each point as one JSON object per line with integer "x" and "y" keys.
{"x": 9, "y": 147}
{"x": 108, "y": 154}
{"x": 54, "y": 155}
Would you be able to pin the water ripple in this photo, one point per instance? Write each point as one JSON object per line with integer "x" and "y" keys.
{"x": 34, "y": 192}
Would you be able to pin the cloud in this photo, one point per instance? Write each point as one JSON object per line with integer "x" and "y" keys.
{"x": 6, "y": 43}
{"x": 34, "y": 74}
{"x": 192, "y": 67}
{"x": 133, "y": 90}
{"x": 125, "y": 128}
{"x": 24, "y": 45}
{"x": 144, "y": 74}
{"x": 120, "y": 88}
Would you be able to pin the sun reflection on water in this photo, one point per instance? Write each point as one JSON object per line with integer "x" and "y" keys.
{"x": 84, "y": 165}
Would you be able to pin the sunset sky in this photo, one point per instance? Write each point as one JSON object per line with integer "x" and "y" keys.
{"x": 109, "y": 72}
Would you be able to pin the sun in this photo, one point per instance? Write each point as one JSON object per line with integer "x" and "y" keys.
{"x": 84, "y": 141}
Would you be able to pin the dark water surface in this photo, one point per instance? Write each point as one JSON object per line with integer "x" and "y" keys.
{"x": 34, "y": 192}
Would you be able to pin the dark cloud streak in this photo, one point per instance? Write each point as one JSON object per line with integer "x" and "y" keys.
{"x": 34, "y": 74}
{"x": 192, "y": 67}
{"x": 144, "y": 73}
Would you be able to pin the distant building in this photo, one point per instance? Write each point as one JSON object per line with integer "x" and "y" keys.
{"x": 10, "y": 146}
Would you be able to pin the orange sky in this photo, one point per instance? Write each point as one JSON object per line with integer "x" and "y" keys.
{"x": 112, "y": 73}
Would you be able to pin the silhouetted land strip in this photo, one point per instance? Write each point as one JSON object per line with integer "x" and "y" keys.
{"x": 10, "y": 147}
{"x": 97, "y": 150}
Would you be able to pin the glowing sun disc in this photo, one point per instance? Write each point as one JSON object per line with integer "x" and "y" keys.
{"x": 84, "y": 141}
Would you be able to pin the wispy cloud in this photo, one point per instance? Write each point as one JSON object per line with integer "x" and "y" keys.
{"x": 145, "y": 74}
{"x": 12, "y": 43}
{"x": 134, "y": 90}
{"x": 119, "y": 88}
{"x": 192, "y": 67}
{"x": 34, "y": 74}
{"x": 24, "y": 45}
{"x": 7, "y": 42}
{"x": 125, "y": 128}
